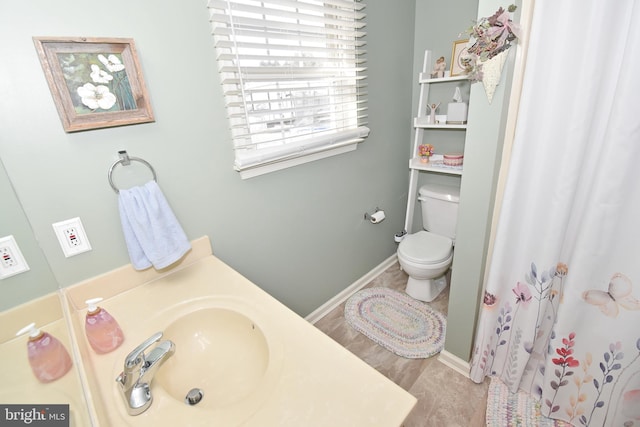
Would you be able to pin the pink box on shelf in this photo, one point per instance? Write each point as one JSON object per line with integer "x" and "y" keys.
{"x": 454, "y": 159}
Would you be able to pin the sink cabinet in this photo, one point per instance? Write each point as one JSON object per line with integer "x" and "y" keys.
{"x": 258, "y": 363}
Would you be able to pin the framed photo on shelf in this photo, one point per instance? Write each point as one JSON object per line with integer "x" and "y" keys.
{"x": 95, "y": 82}
{"x": 458, "y": 55}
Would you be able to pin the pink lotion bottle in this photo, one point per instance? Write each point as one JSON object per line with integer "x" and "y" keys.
{"x": 48, "y": 357}
{"x": 103, "y": 332}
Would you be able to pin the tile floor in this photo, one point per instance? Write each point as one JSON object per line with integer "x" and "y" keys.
{"x": 445, "y": 397}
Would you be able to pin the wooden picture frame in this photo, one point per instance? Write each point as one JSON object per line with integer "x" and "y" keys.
{"x": 458, "y": 67}
{"x": 95, "y": 82}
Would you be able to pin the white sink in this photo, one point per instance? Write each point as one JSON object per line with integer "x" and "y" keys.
{"x": 225, "y": 347}
{"x": 219, "y": 351}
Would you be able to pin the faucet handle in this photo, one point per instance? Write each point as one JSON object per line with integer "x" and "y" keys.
{"x": 136, "y": 357}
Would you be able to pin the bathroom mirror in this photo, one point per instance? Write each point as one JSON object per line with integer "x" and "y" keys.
{"x": 39, "y": 280}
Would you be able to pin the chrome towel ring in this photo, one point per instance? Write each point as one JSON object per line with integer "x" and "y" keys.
{"x": 125, "y": 160}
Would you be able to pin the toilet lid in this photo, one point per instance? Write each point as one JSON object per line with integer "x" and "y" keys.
{"x": 425, "y": 248}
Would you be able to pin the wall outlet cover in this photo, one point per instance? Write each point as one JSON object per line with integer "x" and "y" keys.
{"x": 12, "y": 261}
{"x": 72, "y": 237}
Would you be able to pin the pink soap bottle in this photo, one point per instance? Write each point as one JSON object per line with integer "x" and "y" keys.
{"x": 48, "y": 358}
{"x": 103, "y": 332}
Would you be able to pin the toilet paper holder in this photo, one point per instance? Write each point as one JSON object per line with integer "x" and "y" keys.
{"x": 376, "y": 217}
{"x": 368, "y": 215}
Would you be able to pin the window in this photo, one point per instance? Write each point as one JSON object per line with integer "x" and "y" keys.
{"x": 292, "y": 75}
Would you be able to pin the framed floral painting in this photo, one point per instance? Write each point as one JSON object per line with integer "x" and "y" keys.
{"x": 95, "y": 82}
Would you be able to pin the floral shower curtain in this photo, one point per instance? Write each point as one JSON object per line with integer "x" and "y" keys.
{"x": 561, "y": 315}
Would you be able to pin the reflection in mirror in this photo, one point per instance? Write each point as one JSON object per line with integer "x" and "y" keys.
{"x": 39, "y": 279}
{"x": 20, "y": 386}
{"x": 32, "y": 296}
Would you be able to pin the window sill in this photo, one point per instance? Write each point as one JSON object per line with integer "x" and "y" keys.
{"x": 300, "y": 159}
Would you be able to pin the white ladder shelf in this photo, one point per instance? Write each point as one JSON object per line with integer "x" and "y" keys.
{"x": 420, "y": 123}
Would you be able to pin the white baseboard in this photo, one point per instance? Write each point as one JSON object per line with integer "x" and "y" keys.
{"x": 454, "y": 362}
{"x": 334, "y": 302}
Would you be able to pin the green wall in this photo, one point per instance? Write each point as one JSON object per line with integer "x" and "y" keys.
{"x": 298, "y": 233}
{"x": 38, "y": 280}
{"x": 483, "y": 154}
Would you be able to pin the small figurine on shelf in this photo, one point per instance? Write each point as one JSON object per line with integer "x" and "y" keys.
{"x": 432, "y": 113}
{"x": 438, "y": 69}
{"x": 425, "y": 151}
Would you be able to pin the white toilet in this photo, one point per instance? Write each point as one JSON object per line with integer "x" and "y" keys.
{"x": 427, "y": 255}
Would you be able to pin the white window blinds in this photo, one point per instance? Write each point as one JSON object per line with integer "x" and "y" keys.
{"x": 293, "y": 77}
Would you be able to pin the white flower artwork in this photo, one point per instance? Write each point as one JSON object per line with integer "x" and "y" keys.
{"x": 95, "y": 97}
{"x": 99, "y": 76}
{"x": 95, "y": 82}
{"x": 112, "y": 63}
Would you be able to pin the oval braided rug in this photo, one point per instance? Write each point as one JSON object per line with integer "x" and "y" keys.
{"x": 399, "y": 323}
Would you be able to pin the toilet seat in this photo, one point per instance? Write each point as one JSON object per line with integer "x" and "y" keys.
{"x": 425, "y": 248}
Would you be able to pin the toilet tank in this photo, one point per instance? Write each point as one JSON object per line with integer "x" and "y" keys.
{"x": 439, "y": 204}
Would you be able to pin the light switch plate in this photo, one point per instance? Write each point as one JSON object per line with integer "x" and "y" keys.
{"x": 72, "y": 237}
{"x": 12, "y": 261}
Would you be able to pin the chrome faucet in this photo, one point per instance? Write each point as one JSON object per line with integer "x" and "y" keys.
{"x": 139, "y": 369}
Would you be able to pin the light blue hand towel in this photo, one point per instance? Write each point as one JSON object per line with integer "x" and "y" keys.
{"x": 151, "y": 229}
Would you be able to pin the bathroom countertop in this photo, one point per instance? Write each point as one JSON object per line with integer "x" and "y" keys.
{"x": 19, "y": 385}
{"x": 311, "y": 380}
